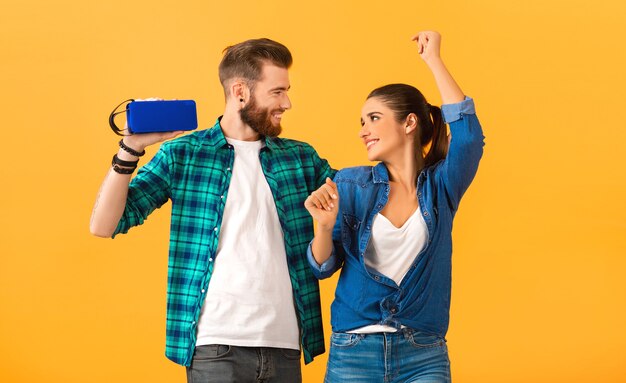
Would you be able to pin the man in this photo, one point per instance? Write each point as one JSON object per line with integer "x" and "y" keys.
{"x": 241, "y": 296}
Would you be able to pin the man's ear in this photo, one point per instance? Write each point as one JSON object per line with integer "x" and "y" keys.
{"x": 240, "y": 91}
{"x": 410, "y": 124}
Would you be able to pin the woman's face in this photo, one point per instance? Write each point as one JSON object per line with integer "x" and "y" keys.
{"x": 382, "y": 135}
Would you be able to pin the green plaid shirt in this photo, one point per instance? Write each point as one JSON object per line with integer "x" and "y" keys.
{"x": 194, "y": 171}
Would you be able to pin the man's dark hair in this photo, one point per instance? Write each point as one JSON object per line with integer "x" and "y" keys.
{"x": 245, "y": 60}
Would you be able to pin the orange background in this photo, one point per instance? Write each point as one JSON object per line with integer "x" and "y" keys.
{"x": 539, "y": 293}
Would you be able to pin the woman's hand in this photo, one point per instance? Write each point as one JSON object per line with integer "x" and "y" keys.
{"x": 428, "y": 45}
{"x": 323, "y": 205}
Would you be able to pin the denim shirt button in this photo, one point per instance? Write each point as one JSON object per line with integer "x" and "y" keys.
{"x": 376, "y": 277}
{"x": 425, "y": 214}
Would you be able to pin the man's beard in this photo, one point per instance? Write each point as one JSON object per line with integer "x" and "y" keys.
{"x": 260, "y": 119}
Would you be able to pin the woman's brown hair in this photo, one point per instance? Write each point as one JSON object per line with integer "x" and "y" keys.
{"x": 405, "y": 99}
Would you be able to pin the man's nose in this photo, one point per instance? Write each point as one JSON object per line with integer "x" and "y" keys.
{"x": 286, "y": 102}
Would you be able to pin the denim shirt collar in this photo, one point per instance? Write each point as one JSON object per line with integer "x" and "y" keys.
{"x": 380, "y": 175}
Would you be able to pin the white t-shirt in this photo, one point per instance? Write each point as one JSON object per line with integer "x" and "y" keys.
{"x": 392, "y": 250}
{"x": 249, "y": 301}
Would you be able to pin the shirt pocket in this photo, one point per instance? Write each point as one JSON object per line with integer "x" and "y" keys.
{"x": 350, "y": 233}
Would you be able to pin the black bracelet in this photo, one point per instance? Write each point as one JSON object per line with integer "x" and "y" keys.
{"x": 120, "y": 170}
{"x": 131, "y": 150}
{"x": 117, "y": 161}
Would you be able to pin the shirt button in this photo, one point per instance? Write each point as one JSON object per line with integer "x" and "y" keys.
{"x": 202, "y": 291}
{"x": 425, "y": 214}
{"x": 393, "y": 310}
{"x": 194, "y": 322}
{"x": 227, "y": 169}
{"x": 215, "y": 229}
{"x": 210, "y": 259}
{"x": 222, "y": 197}
{"x": 376, "y": 277}
{"x": 419, "y": 194}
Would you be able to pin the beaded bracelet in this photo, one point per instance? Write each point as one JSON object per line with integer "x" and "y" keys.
{"x": 117, "y": 161}
{"x": 131, "y": 150}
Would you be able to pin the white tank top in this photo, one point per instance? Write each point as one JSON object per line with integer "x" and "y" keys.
{"x": 392, "y": 250}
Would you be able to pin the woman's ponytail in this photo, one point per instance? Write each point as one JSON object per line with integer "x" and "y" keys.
{"x": 439, "y": 137}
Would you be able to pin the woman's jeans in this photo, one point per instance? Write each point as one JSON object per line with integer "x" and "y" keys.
{"x": 403, "y": 356}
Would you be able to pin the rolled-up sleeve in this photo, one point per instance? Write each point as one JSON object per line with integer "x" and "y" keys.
{"x": 453, "y": 112}
{"x": 324, "y": 270}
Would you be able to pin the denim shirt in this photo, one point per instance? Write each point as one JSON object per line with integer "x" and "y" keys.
{"x": 422, "y": 300}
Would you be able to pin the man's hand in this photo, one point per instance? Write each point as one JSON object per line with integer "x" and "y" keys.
{"x": 323, "y": 205}
{"x": 141, "y": 141}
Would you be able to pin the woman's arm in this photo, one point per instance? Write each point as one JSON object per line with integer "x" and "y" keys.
{"x": 429, "y": 48}
{"x": 466, "y": 136}
{"x": 323, "y": 205}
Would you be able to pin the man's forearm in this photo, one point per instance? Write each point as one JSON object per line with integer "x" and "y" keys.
{"x": 111, "y": 200}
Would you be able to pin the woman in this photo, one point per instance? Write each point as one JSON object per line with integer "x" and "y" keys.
{"x": 391, "y": 233}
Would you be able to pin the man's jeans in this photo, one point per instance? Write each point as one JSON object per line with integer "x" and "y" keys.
{"x": 223, "y": 364}
{"x": 403, "y": 356}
